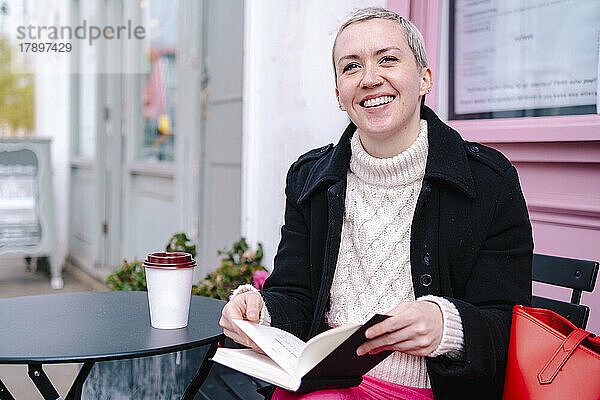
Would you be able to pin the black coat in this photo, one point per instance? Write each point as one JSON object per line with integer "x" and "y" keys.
{"x": 471, "y": 243}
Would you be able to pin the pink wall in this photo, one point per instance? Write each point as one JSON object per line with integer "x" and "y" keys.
{"x": 402, "y": 7}
{"x": 558, "y": 159}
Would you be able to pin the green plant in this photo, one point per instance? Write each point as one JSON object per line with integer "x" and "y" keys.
{"x": 180, "y": 242}
{"x": 240, "y": 265}
{"x": 131, "y": 276}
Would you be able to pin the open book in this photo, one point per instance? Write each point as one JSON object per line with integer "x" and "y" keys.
{"x": 326, "y": 361}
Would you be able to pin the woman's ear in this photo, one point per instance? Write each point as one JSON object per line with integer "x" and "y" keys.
{"x": 426, "y": 81}
{"x": 337, "y": 95}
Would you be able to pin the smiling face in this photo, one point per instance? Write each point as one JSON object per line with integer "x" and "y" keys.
{"x": 379, "y": 83}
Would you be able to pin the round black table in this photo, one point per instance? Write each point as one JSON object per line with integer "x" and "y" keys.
{"x": 97, "y": 326}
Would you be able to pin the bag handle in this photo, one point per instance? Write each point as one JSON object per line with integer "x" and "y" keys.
{"x": 561, "y": 355}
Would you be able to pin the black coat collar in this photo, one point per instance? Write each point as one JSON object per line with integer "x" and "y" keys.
{"x": 446, "y": 160}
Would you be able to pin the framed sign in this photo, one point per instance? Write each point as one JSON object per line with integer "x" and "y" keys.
{"x": 521, "y": 58}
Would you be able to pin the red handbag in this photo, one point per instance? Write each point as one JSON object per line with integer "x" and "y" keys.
{"x": 550, "y": 358}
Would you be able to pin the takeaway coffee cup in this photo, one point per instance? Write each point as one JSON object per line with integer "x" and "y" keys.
{"x": 169, "y": 279}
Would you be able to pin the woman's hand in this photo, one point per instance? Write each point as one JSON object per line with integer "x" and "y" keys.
{"x": 414, "y": 328}
{"x": 246, "y": 306}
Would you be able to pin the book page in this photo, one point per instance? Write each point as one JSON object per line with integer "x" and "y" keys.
{"x": 258, "y": 365}
{"x": 320, "y": 346}
{"x": 283, "y": 347}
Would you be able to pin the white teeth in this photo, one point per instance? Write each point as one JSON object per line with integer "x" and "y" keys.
{"x": 378, "y": 101}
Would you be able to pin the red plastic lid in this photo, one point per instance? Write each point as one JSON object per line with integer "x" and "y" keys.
{"x": 169, "y": 266}
{"x": 169, "y": 260}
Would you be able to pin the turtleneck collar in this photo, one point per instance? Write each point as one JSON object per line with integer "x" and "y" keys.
{"x": 401, "y": 169}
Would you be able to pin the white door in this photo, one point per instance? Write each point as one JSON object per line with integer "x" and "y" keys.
{"x": 220, "y": 222}
{"x": 86, "y": 240}
{"x": 95, "y": 190}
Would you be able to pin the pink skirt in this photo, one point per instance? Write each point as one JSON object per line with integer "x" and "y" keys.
{"x": 370, "y": 389}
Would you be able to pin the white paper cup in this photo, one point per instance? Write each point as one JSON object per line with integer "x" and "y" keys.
{"x": 169, "y": 284}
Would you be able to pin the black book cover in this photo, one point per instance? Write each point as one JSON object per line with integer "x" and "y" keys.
{"x": 343, "y": 367}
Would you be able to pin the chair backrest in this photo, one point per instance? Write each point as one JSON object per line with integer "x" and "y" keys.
{"x": 579, "y": 275}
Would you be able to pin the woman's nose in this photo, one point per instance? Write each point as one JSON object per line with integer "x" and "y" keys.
{"x": 371, "y": 78}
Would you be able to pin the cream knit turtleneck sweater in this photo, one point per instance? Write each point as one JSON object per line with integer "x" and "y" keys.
{"x": 373, "y": 272}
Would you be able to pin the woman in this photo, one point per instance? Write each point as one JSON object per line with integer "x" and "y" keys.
{"x": 401, "y": 217}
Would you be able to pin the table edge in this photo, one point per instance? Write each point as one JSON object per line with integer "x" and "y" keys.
{"x": 114, "y": 357}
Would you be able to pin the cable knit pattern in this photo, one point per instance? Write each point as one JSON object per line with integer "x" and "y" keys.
{"x": 373, "y": 272}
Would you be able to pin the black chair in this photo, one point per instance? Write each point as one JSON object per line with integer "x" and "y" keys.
{"x": 574, "y": 274}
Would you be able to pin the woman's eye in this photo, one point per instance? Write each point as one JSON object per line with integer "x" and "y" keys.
{"x": 350, "y": 67}
{"x": 388, "y": 59}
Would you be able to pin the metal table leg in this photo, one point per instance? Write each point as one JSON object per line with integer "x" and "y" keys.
{"x": 4, "y": 393}
{"x": 77, "y": 387}
{"x": 202, "y": 373}
{"x": 41, "y": 381}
